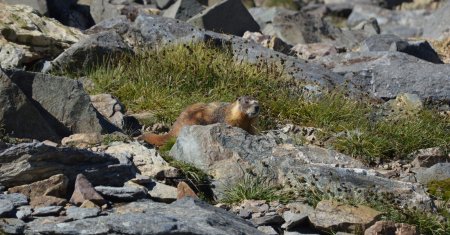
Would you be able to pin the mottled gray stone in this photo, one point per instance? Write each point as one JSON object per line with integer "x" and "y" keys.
{"x": 226, "y": 153}
{"x": 17, "y": 199}
{"x": 48, "y": 210}
{"x": 440, "y": 171}
{"x": 293, "y": 219}
{"x": 122, "y": 194}
{"x": 6, "y": 207}
{"x": 77, "y": 213}
{"x": 24, "y": 212}
{"x": 387, "y": 74}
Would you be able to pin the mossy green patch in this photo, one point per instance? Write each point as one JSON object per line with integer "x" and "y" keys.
{"x": 440, "y": 189}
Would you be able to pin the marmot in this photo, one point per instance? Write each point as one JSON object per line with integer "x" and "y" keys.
{"x": 241, "y": 113}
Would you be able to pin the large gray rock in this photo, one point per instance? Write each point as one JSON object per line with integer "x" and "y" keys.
{"x": 439, "y": 171}
{"x": 183, "y": 9}
{"x": 227, "y": 153}
{"x": 88, "y": 52}
{"x": 387, "y": 74}
{"x": 62, "y": 102}
{"x": 437, "y": 25}
{"x": 185, "y": 216}
{"x": 227, "y": 16}
{"x": 30, "y": 162}
{"x": 19, "y": 115}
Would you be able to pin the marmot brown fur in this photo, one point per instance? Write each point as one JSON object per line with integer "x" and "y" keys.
{"x": 241, "y": 113}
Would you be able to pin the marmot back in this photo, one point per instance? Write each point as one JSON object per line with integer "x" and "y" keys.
{"x": 241, "y": 113}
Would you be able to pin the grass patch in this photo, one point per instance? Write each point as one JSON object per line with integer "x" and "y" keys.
{"x": 110, "y": 138}
{"x": 253, "y": 188}
{"x": 166, "y": 80}
{"x": 287, "y": 4}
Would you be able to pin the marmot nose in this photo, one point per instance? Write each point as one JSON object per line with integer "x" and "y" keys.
{"x": 257, "y": 108}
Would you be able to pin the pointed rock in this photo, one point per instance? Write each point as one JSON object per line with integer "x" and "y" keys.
{"x": 227, "y": 16}
{"x": 84, "y": 191}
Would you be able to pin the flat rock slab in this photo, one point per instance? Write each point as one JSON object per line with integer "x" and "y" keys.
{"x": 29, "y": 162}
{"x": 122, "y": 194}
{"x": 48, "y": 210}
{"x": 53, "y": 186}
{"x": 17, "y": 199}
{"x": 147, "y": 217}
{"x": 12, "y": 226}
{"x": 334, "y": 216}
{"x": 77, "y": 213}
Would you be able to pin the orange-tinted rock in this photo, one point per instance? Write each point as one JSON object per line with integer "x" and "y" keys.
{"x": 184, "y": 190}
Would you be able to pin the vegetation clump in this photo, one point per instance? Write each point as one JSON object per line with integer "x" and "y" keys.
{"x": 166, "y": 80}
{"x": 252, "y": 187}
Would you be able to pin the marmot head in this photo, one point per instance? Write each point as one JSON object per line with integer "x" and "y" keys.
{"x": 249, "y": 106}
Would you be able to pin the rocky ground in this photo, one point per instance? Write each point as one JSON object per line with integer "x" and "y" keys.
{"x": 70, "y": 162}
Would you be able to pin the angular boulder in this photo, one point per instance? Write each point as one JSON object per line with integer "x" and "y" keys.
{"x": 62, "y": 102}
{"x": 19, "y": 115}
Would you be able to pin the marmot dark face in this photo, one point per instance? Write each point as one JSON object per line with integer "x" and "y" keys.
{"x": 249, "y": 105}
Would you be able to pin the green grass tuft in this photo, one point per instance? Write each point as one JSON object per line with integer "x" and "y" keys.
{"x": 166, "y": 80}
{"x": 253, "y": 188}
